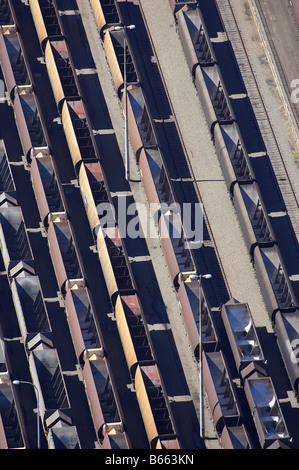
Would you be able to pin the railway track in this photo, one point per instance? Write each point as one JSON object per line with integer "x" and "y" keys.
{"x": 227, "y": 14}
{"x": 139, "y": 288}
{"x": 192, "y": 177}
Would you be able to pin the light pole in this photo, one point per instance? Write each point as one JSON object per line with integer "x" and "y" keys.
{"x": 199, "y": 277}
{"x": 127, "y": 160}
{"x": 18, "y": 382}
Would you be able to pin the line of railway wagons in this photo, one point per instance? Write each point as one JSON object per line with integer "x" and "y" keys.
{"x": 43, "y": 359}
{"x": 11, "y": 228}
{"x": 237, "y": 319}
{"x": 128, "y": 312}
{"x": 65, "y": 261}
{"x": 256, "y": 223}
{"x": 155, "y": 176}
{"x": 32, "y": 313}
{"x": 138, "y": 349}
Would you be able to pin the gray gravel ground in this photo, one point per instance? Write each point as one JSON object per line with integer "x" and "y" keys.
{"x": 222, "y": 218}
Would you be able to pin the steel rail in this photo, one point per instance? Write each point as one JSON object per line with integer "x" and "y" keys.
{"x": 294, "y": 109}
